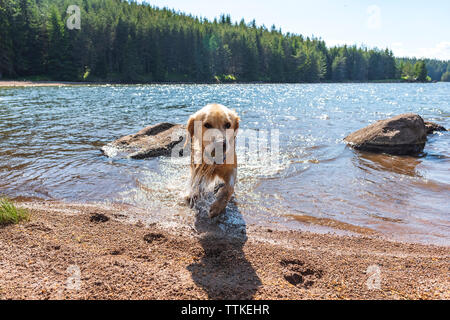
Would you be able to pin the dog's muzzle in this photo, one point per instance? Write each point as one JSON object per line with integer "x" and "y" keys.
{"x": 218, "y": 149}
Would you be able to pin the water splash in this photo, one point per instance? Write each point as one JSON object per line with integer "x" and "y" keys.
{"x": 49, "y": 141}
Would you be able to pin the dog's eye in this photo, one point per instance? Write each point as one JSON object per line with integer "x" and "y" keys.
{"x": 228, "y": 125}
{"x": 208, "y": 126}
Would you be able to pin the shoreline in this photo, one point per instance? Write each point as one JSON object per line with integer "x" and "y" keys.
{"x": 91, "y": 251}
{"x": 26, "y": 83}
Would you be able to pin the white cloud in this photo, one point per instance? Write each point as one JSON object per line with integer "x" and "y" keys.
{"x": 440, "y": 51}
{"x": 399, "y": 50}
{"x": 374, "y": 21}
{"x": 335, "y": 42}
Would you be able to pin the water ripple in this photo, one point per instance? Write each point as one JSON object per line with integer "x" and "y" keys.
{"x": 49, "y": 141}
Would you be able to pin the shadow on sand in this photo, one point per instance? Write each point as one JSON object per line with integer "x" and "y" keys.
{"x": 223, "y": 271}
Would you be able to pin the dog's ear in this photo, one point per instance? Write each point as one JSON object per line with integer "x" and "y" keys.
{"x": 236, "y": 120}
{"x": 190, "y": 130}
{"x": 190, "y": 126}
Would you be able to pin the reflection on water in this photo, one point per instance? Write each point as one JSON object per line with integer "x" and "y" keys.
{"x": 50, "y": 140}
{"x": 382, "y": 162}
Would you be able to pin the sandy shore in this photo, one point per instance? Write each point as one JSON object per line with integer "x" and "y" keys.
{"x": 70, "y": 251}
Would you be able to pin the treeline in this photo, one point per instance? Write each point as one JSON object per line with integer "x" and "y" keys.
{"x": 437, "y": 70}
{"x": 129, "y": 42}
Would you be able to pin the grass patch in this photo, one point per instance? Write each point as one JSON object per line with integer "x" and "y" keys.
{"x": 10, "y": 214}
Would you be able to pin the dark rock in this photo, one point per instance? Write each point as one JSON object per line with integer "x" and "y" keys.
{"x": 117, "y": 252}
{"x": 150, "y": 237}
{"x": 99, "y": 217}
{"x": 405, "y": 134}
{"x": 150, "y": 142}
{"x": 433, "y": 127}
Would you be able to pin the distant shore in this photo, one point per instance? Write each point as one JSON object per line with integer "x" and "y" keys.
{"x": 90, "y": 251}
{"x": 14, "y": 83}
{"x": 26, "y": 83}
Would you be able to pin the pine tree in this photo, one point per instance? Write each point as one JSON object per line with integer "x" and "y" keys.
{"x": 6, "y": 44}
{"x": 420, "y": 71}
{"x": 339, "y": 68}
{"x": 57, "y": 48}
{"x": 408, "y": 71}
{"x": 127, "y": 41}
{"x": 446, "y": 76}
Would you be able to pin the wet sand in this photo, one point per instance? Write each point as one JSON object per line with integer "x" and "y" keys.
{"x": 75, "y": 251}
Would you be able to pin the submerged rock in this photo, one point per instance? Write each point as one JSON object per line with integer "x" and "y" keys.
{"x": 150, "y": 142}
{"x": 433, "y": 127}
{"x": 405, "y": 134}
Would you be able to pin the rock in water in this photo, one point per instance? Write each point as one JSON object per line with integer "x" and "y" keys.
{"x": 405, "y": 134}
{"x": 150, "y": 142}
{"x": 433, "y": 127}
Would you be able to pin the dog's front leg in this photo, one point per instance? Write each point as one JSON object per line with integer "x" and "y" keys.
{"x": 194, "y": 191}
{"x": 223, "y": 196}
{"x": 192, "y": 198}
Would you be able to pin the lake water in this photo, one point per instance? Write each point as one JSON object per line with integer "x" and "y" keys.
{"x": 50, "y": 139}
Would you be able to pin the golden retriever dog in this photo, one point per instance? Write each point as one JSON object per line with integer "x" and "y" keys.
{"x": 212, "y": 133}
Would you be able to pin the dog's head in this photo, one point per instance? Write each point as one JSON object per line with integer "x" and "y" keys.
{"x": 214, "y": 125}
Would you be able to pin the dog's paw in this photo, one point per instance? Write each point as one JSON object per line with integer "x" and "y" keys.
{"x": 218, "y": 187}
{"x": 215, "y": 210}
{"x": 192, "y": 199}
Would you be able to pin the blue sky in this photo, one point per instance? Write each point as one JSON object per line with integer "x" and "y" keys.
{"x": 409, "y": 28}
